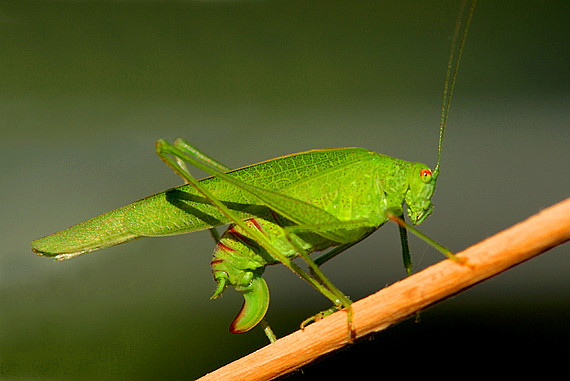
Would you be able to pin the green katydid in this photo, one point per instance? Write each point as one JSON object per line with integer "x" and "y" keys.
{"x": 278, "y": 210}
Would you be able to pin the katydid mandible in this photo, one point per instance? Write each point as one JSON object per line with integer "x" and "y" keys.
{"x": 277, "y": 210}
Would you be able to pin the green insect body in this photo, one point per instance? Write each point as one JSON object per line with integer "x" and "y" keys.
{"x": 353, "y": 185}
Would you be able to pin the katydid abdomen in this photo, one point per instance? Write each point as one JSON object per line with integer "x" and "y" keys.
{"x": 239, "y": 261}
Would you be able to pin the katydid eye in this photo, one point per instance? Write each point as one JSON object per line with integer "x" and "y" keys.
{"x": 425, "y": 175}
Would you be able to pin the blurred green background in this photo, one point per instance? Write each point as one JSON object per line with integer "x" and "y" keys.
{"x": 86, "y": 87}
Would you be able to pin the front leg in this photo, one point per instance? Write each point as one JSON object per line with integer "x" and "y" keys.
{"x": 395, "y": 216}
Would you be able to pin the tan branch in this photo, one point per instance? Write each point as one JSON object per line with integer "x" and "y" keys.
{"x": 392, "y": 304}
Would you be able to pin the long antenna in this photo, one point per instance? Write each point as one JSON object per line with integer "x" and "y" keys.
{"x": 451, "y": 76}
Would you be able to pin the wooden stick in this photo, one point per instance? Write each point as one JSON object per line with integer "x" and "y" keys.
{"x": 392, "y": 304}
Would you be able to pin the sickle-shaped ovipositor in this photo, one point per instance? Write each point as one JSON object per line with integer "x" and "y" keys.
{"x": 255, "y": 305}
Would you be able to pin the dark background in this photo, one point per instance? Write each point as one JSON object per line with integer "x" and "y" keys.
{"x": 86, "y": 87}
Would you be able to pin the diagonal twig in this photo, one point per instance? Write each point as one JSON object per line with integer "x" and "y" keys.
{"x": 529, "y": 238}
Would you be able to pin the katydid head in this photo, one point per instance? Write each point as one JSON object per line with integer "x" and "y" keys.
{"x": 421, "y": 185}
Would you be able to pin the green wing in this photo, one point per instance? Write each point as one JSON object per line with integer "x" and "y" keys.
{"x": 183, "y": 210}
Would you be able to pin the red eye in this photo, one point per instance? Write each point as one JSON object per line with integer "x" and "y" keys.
{"x": 425, "y": 175}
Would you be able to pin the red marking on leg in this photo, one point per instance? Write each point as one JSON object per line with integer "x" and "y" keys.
{"x": 214, "y": 264}
{"x": 232, "y": 231}
{"x": 256, "y": 223}
{"x": 223, "y": 247}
